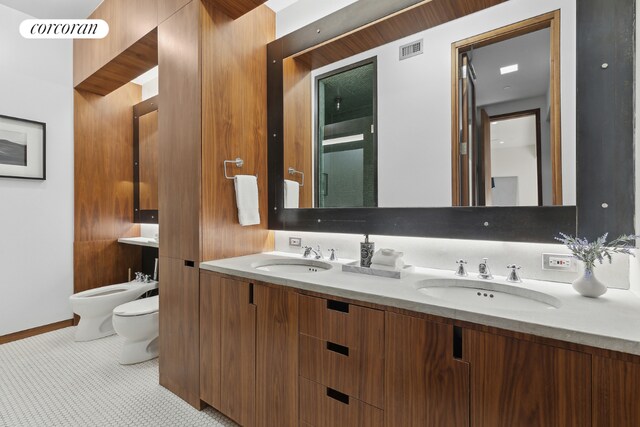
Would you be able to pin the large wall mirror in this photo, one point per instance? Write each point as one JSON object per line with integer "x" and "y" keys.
{"x": 429, "y": 122}
{"x": 145, "y": 161}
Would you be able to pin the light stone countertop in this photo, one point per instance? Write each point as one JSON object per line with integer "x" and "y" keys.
{"x": 610, "y": 322}
{"x": 139, "y": 241}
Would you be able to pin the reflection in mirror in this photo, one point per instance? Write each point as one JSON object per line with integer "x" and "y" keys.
{"x": 145, "y": 152}
{"x": 507, "y": 105}
{"x": 346, "y": 164}
{"x": 419, "y": 134}
{"x": 148, "y": 138}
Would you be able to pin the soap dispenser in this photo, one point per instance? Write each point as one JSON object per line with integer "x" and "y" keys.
{"x": 367, "y": 249}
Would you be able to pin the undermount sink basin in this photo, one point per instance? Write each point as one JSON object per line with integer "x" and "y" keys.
{"x": 487, "y": 294}
{"x": 292, "y": 266}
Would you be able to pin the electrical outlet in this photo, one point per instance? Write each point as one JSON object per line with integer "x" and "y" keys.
{"x": 295, "y": 241}
{"x": 558, "y": 262}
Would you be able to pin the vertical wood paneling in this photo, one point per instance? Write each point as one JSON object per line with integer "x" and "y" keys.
{"x": 103, "y": 159}
{"x": 180, "y": 330}
{"x": 238, "y": 352}
{"x": 234, "y": 125}
{"x": 615, "y": 393}
{"x": 103, "y": 188}
{"x": 276, "y": 357}
{"x": 166, "y": 8}
{"x": 298, "y": 127}
{"x": 424, "y": 384}
{"x": 179, "y": 135}
{"x": 210, "y": 335}
{"x": 148, "y": 140}
{"x": 520, "y": 383}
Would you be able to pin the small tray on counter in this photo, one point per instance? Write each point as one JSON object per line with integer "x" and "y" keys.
{"x": 354, "y": 267}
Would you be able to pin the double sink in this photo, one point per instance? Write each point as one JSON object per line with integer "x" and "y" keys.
{"x": 456, "y": 290}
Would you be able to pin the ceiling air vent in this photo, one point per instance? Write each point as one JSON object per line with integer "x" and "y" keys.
{"x": 411, "y": 49}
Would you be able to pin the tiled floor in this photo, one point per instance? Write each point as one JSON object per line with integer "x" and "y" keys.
{"x": 50, "y": 380}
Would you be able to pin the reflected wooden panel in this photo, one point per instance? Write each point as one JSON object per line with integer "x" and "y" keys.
{"x": 103, "y": 262}
{"x": 297, "y": 131}
{"x": 148, "y": 139}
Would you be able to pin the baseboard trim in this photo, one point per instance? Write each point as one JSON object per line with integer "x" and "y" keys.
{"x": 35, "y": 331}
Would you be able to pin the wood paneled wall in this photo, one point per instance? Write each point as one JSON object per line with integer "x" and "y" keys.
{"x": 234, "y": 124}
{"x": 129, "y": 21}
{"x": 213, "y": 95}
{"x": 103, "y": 174}
{"x": 298, "y": 128}
{"x": 179, "y": 144}
{"x": 179, "y": 134}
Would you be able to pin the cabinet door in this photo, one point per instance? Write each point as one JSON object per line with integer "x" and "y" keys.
{"x": 616, "y": 393}
{"x": 277, "y": 357}
{"x": 179, "y": 330}
{"x": 210, "y": 324}
{"x": 425, "y": 385}
{"x": 237, "y": 351}
{"x": 520, "y": 383}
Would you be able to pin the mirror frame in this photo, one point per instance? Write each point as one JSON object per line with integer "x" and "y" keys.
{"x": 147, "y": 216}
{"x": 605, "y": 130}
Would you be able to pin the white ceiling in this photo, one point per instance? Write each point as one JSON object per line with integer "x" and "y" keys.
{"x": 520, "y": 132}
{"x": 78, "y": 9}
{"x": 532, "y": 54}
{"x": 59, "y": 9}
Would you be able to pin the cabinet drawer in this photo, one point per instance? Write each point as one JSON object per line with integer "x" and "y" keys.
{"x": 322, "y": 406}
{"x": 338, "y": 322}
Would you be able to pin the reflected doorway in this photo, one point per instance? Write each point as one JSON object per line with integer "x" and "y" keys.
{"x": 512, "y": 170}
{"x": 346, "y": 143}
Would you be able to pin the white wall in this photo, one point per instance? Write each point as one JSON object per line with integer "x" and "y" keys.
{"x": 519, "y": 162}
{"x": 36, "y": 218}
{"x": 414, "y": 103}
{"x": 441, "y": 253}
{"x": 304, "y": 12}
{"x": 545, "y": 142}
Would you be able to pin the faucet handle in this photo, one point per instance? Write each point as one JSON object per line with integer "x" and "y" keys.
{"x": 513, "y": 275}
{"x": 332, "y": 255}
{"x": 461, "y": 271}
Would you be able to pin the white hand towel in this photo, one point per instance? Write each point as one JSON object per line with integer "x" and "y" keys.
{"x": 247, "y": 199}
{"x": 291, "y": 194}
{"x": 385, "y": 267}
{"x": 388, "y": 257}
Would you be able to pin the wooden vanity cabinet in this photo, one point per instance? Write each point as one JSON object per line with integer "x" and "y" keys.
{"x": 228, "y": 347}
{"x": 616, "y": 393}
{"x": 425, "y": 384}
{"x": 248, "y": 351}
{"x": 273, "y": 356}
{"x": 515, "y": 382}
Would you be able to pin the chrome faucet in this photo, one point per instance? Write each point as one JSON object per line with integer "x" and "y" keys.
{"x": 513, "y": 276}
{"x": 332, "y": 255}
{"x": 462, "y": 271}
{"x": 483, "y": 270}
{"x": 317, "y": 253}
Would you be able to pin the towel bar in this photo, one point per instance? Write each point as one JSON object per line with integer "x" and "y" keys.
{"x": 238, "y": 162}
{"x": 292, "y": 171}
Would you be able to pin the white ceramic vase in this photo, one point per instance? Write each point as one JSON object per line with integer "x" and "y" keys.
{"x": 588, "y": 285}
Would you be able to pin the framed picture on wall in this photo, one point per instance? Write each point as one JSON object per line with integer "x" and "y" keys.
{"x": 22, "y": 148}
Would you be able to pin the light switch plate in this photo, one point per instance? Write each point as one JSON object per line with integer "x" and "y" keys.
{"x": 559, "y": 262}
{"x": 295, "y": 241}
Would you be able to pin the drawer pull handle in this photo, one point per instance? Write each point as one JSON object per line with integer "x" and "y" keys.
{"x": 457, "y": 342}
{"x": 337, "y": 348}
{"x": 336, "y": 395}
{"x": 251, "y": 293}
{"x": 189, "y": 263}
{"x": 338, "y": 306}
